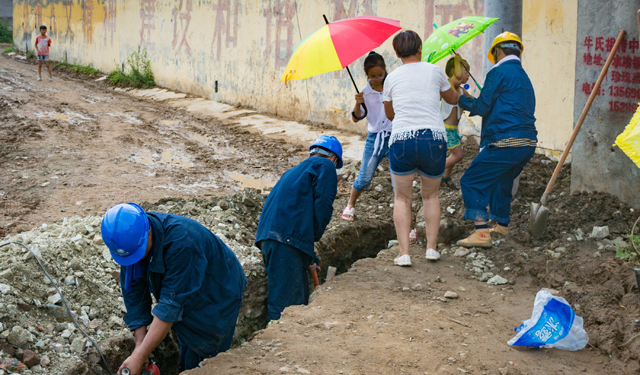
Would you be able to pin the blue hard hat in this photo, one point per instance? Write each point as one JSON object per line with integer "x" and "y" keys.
{"x": 330, "y": 143}
{"x": 125, "y": 231}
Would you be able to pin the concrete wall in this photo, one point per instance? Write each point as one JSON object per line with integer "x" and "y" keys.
{"x": 597, "y": 166}
{"x": 549, "y": 37}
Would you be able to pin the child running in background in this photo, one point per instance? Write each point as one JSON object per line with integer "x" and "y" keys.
{"x": 42, "y": 47}
{"x": 379, "y": 129}
{"x": 451, "y": 115}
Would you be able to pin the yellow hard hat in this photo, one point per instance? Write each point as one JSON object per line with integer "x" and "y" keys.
{"x": 504, "y": 37}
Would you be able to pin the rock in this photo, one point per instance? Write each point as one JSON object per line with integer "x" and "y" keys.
{"x": 619, "y": 242}
{"x": 579, "y": 234}
{"x": 504, "y": 371}
{"x": 497, "y": 280}
{"x": 378, "y": 188}
{"x": 44, "y": 360}
{"x": 30, "y": 358}
{"x": 440, "y": 279}
{"x": 223, "y": 204}
{"x": 4, "y": 288}
{"x": 54, "y": 299}
{"x": 461, "y": 252}
{"x": 115, "y": 321}
{"x": 70, "y": 280}
{"x": 485, "y": 276}
{"x": 451, "y": 295}
{"x": 37, "y": 368}
{"x": 552, "y": 291}
{"x": 417, "y": 287}
{"x": 600, "y": 232}
{"x": 597, "y": 254}
{"x": 303, "y": 370}
{"x": 18, "y": 336}
{"x": 24, "y": 307}
{"x": 284, "y": 369}
{"x": 78, "y": 344}
{"x": 66, "y": 334}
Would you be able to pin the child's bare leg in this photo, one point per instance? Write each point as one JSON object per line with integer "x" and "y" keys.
{"x": 49, "y": 68}
{"x": 40, "y": 69}
{"x": 452, "y": 160}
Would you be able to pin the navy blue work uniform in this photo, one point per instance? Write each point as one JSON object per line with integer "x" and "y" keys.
{"x": 295, "y": 216}
{"x": 507, "y": 141}
{"x": 198, "y": 283}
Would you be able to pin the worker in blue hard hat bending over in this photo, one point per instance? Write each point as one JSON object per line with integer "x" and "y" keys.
{"x": 196, "y": 279}
{"x": 295, "y": 216}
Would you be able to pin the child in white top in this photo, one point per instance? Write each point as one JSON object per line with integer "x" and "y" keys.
{"x": 451, "y": 114}
{"x": 379, "y": 128}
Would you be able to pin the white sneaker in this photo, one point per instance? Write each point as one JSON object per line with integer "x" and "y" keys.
{"x": 402, "y": 261}
{"x": 432, "y": 254}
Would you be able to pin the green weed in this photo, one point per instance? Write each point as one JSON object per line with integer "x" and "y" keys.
{"x": 31, "y": 55}
{"x": 80, "y": 69}
{"x": 137, "y": 72}
{"x": 6, "y": 36}
{"x": 8, "y": 49}
{"x": 629, "y": 252}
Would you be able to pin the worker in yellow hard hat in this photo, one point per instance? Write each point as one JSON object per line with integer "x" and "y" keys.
{"x": 507, "y": 140}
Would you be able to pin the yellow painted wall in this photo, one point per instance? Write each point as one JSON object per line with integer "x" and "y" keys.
{"x": 244, "y": 45}
{"x": 549, "y": 35}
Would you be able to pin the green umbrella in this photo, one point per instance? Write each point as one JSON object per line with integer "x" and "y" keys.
{"x": 446, "y": 39}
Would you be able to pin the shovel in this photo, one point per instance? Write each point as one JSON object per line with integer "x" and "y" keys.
{"x": 540, "y": 213}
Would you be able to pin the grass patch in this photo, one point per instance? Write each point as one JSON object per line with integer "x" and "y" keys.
{"x": 31, "y": 55}
{"x": 6, "y": 36}
{"x": 8, "y": 49}
{"x": 78, "y": 69}
{"x": 137, "y": 72}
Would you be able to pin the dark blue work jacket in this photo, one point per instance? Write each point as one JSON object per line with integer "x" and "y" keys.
{"x": 196, "y": 279}
{"x": 506, "y": 103}
{"x": 300, "y": 206}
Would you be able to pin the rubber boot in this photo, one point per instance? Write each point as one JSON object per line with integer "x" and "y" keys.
{"x": 479, "y": 238}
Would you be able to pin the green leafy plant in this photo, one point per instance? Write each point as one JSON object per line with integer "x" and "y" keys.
{"x": 137, "y": 72}
{"x": 5, "y": 34}
{"x": 630, "y": 252}
{"x": 8, "y": 49}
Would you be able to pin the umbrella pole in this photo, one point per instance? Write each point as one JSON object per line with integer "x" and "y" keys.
{"x": 353, "y": 81}
{"x": 470, "y": 75}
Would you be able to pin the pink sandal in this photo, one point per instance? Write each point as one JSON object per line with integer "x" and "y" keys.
{"x": 348, "y": 214}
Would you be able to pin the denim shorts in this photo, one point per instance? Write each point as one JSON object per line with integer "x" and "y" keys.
{"x": 421, "y": 153}
{"x": 43, "y": 57}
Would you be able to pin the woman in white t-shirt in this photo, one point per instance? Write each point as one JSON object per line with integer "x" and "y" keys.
{"x": 418, "y": 141}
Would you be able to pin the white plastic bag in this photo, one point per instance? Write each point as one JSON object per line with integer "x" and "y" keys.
{"x": 553, "y": 324}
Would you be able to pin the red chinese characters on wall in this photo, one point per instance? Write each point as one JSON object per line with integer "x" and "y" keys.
{"x": 87, "y": 15}
{"x": 148, "y": 23}
{"x": 68, "y": 8}
{"x": 226, "y": 25}
{"x": 110, "y": 7}
{"x": 346, "y": 9}
{"x": 283, "y": 12}
{"x": 622, "y": 82}
{"x": 181, "y": 20}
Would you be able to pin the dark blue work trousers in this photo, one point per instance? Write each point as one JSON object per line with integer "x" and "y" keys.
{"x": 489, "y": 180}
{"x": 287, "y": 280}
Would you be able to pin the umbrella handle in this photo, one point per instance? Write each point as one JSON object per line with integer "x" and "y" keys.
{"x": 364, "y": 107}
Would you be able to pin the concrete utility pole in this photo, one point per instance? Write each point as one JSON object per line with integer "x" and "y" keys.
{"x": 510, "y": 14}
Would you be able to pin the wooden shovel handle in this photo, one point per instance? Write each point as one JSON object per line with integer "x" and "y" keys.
{"x": 585, "y": 110}
{"x": 316, "y": 282}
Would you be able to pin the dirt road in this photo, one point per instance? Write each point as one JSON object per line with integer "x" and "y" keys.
{"x": 74, "y": 146}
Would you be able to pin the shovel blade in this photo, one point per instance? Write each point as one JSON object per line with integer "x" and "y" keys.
{"x": 538, "y": 220}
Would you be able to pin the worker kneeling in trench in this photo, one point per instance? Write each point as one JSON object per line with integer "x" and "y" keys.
{"x": 196, "y": 279}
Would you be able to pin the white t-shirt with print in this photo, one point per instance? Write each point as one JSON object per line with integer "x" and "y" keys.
{"x": 376, "y": 117}
{"x": 415, "y": 91}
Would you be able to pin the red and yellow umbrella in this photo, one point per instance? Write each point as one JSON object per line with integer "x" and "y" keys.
{"x": 338, "y": 44}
